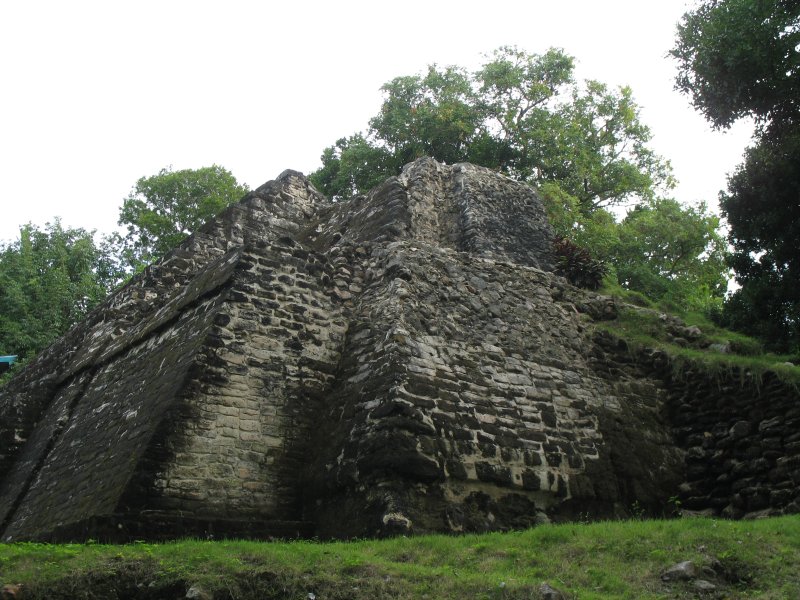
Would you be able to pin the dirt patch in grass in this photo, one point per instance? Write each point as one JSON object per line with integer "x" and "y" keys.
{"x": 126, "y": 580}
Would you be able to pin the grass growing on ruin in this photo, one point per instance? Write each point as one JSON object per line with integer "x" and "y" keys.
{"x": 755, "y": 559}
{"x": 644, "y": 327}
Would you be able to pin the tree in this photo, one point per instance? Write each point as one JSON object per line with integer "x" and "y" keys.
{"x": 521, "y": 114}
{"x": 600, "y": 153}
{"x": 48, "y": 281}
{"x": 762, "y": 205}
{"x": 672, "y": 253}
{"x": 597, "y": 231}
{"x": 582, "y": 144}
{"x": 741, "y": 58}
{"x": 352, "y": 165}
{"x": 165, "y": 208}
{"x": 435, "y": 115}
{"x": 662, "y": 249}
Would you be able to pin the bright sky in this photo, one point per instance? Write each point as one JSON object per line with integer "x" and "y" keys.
{"x": 96, "y": 94}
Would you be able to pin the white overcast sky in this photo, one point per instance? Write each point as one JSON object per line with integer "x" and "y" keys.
{"x": 94, "y": 95}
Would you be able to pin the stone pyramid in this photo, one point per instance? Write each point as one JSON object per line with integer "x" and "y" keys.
{"x": 402, "y": 362}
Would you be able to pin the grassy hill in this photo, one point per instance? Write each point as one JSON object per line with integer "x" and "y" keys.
{"x": 741, "y": 559}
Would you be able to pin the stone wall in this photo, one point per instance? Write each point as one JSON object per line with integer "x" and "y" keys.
{"x": 478, "y": 375}
{"x": 92, "y": 430}
{"x": 404, "y": 361}
{"x": 270, "y": 355}
{"x": 275, "y": 210}
{"x": 83, "y": 452}
{"x": 738, "y": 433}
{"x": 742, "y": 439}
{"x": 462, "y": 207}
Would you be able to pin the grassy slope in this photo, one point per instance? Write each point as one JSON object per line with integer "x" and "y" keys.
{"x": 641, "y": 323}
{"x": 601, "y": 560}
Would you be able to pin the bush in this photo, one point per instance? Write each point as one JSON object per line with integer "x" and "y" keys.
{"x": 578, "y": 265}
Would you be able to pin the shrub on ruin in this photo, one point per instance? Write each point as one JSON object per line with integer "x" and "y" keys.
{"x": 578, "y": 265}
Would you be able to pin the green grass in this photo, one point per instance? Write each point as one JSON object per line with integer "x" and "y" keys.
{"x": 588, "y": 561}
{"x": 643, "y": 327}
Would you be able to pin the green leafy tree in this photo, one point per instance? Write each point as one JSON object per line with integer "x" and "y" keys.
{"x": 165, "y": 208}
{"x": 740, "y": 58}
{"x": 435, "y": 115}
{"x": 762, "y": 205}
{"x": 662, "y": 249}
{"x": 583, "y": 144}
{"x": 517, "y": 92}
{"x": 522, "y": 114}
{"x": 597, "y": 231}
{"x": 49, "y": 280}
{"x": 352, "y": 165}
{"x": 672, "y": 253}
{"x": 599, "y": 153}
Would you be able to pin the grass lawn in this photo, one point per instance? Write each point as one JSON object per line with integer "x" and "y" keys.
{"x": 742, "y": 559}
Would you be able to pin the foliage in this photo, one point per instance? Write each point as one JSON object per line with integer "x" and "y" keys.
{"x": 597, "y": 231}
{"x": 521, "y": 114}
{"x": 592, "y": 561}
{"x": 49, "y": 279}
{"x": 742, "y": 58}
{"x": 596, "y": 148}
{"x": 578, "y": 265}
{"x": 762, "y": 205}
{"x": 668, "y": 251}
{"x": 165, "y": 208}
{"x": 435, "y": 115}
{"x": 352, "y": 165}
{"x": 519, "y": 96}
{"x": 661, "y": 249}
{"x": 582, "y": 144}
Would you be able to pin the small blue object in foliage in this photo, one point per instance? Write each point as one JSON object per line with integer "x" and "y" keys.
{"x": 6, "y": 362}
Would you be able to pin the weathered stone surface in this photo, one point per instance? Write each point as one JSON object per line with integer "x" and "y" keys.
{"x": 701, "y": 585}
{"x": 683, "y": 571}
{"x": 196, "y": 592}
{"x": 548, "y": 592}
{"x": 402, "y": 362}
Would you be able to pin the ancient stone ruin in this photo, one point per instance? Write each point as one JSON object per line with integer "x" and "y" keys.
{"x": 402, "y": 362}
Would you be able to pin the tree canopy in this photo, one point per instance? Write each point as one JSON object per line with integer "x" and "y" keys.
{"x": 522, "y": 114}
{"x": 49, "y": 279}
{"x": 663, "y": 249}
{"x": 165, "y": 208}
{"x": 672, "y": 252}
{"x": 762, "y": 205}
{"x": 741, "y": 58}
